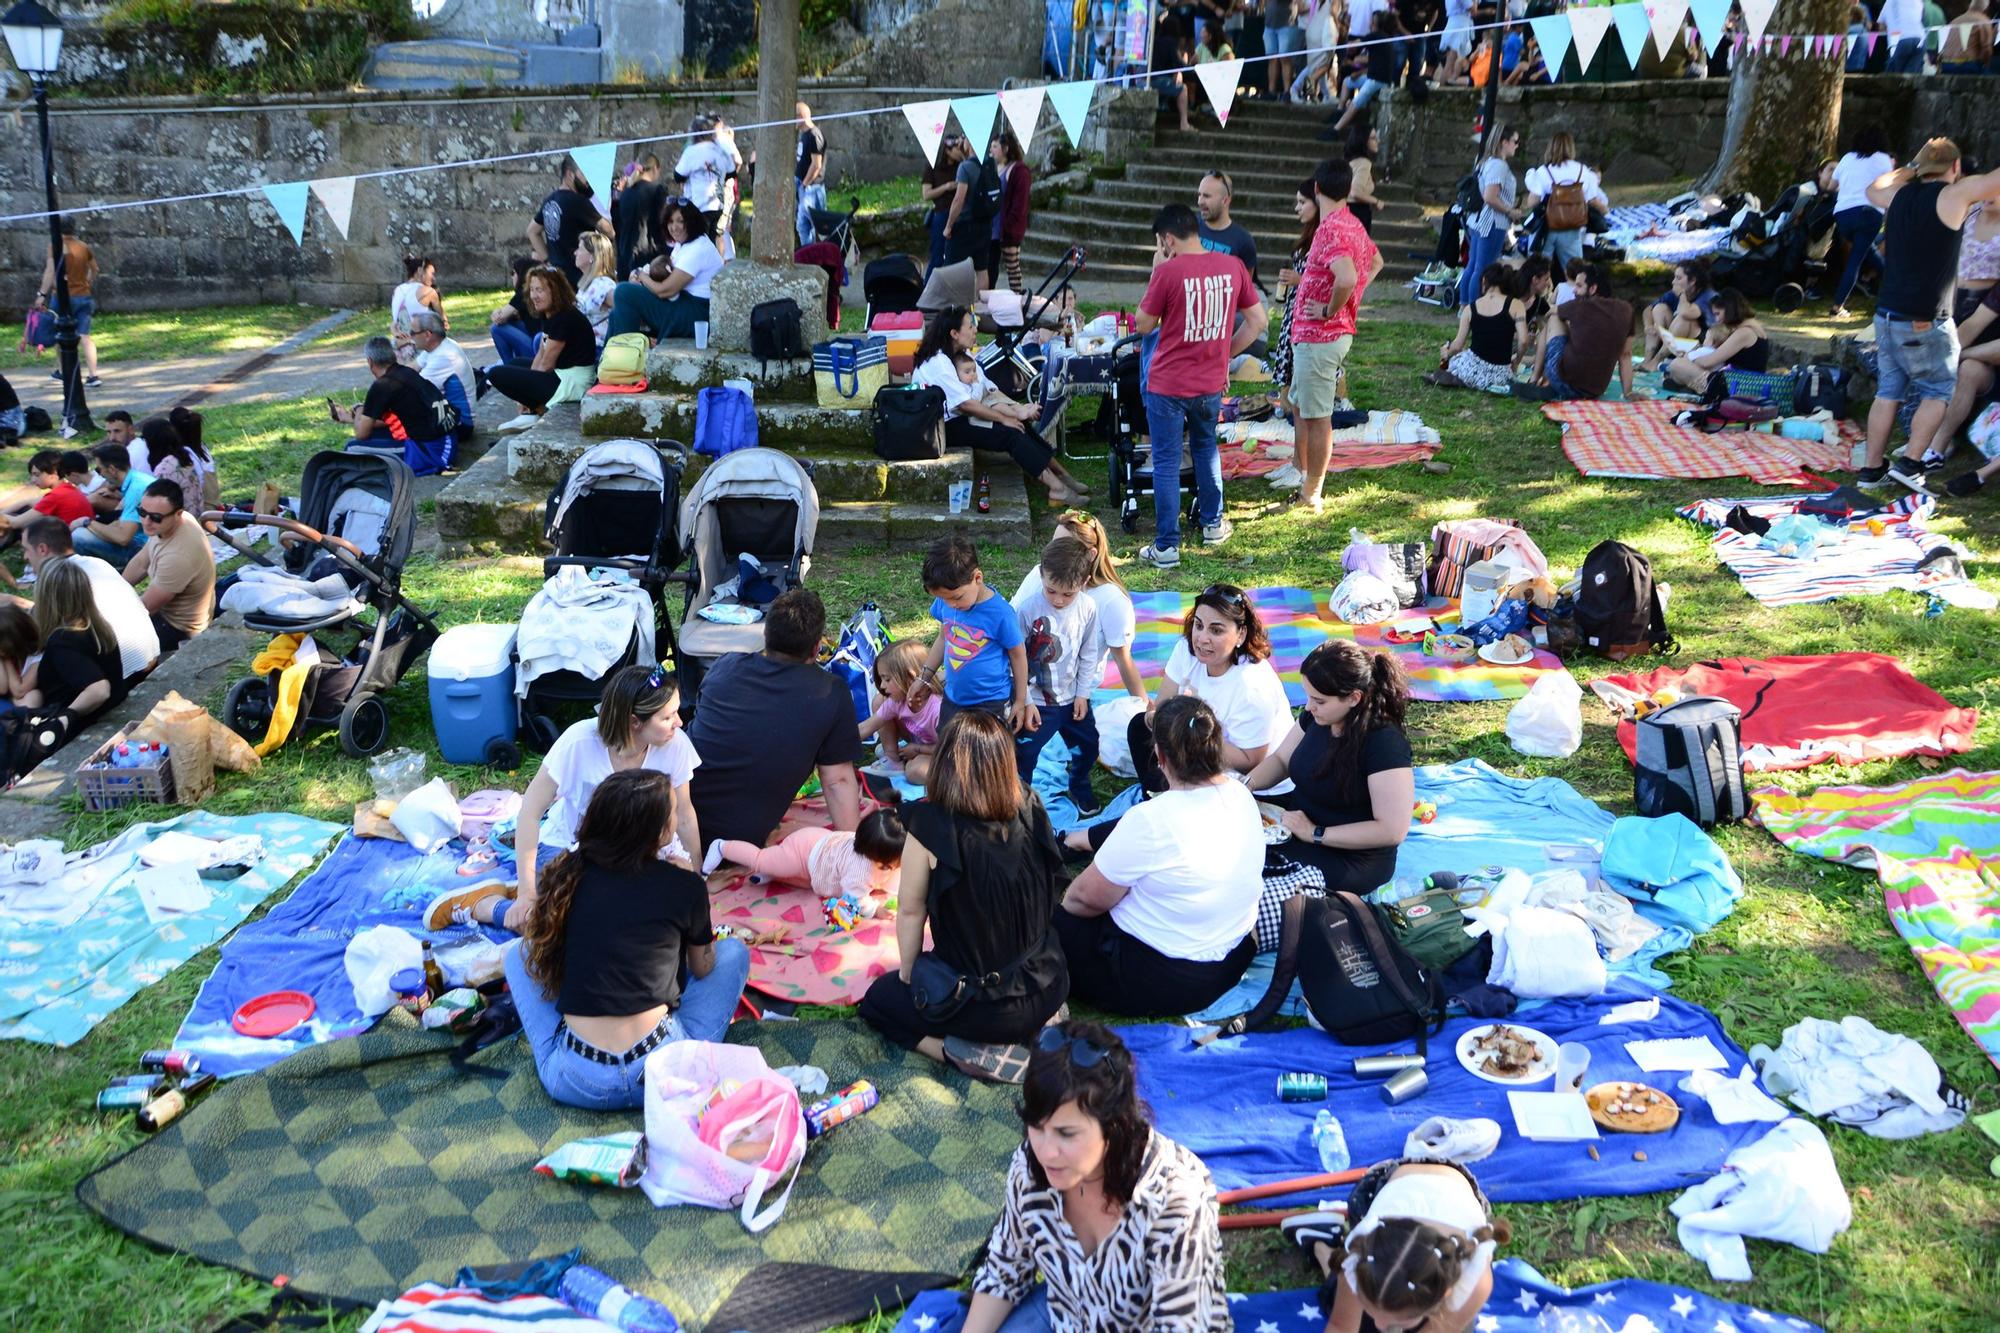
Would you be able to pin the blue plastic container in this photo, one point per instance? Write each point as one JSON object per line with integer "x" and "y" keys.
{"x": 472, "y": 692}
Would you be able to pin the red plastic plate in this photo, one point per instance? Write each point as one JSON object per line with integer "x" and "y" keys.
{"x": 273, "y": 1015}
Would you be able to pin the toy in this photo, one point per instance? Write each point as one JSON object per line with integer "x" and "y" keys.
{"x": 1425, "y": 811}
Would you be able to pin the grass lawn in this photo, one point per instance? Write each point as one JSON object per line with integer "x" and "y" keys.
{"x": 1807, "y": 940}
{"x": 160, "y": 334}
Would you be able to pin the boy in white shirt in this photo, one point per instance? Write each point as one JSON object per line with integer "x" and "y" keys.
{"x": 1060, "y": 625}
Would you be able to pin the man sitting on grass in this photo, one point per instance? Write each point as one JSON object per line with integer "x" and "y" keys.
{"x": 115, "y": 534}
{"x": 177, "y": 566}
{"x": 1585, "y": 340}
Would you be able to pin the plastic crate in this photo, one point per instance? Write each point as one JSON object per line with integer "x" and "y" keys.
{"x": 114, "y": 788}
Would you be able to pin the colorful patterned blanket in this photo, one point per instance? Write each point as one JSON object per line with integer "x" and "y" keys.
{"x": 1935, "y": 845}
{"x": 1641, "y": 440}
{"x": 1849, "y": 560}
{"x": 1298, "y": 621}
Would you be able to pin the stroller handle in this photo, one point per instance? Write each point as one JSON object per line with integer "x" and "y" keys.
{"x": 219, "y": 522}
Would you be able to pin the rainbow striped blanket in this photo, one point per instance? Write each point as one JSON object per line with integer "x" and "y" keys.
{"x": 1935, "y": 845}
{"x": 1298, "y": 621}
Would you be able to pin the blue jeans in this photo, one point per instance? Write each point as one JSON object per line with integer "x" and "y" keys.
{"x": 1563, "y": 246}
{"x": 89, "y": 543}
{"x": 1911, "y": 363}
{"x": 1031, "y": 1315}
{"x": 1857, "y": 227}
{"x": 513, "y": 343}
{"x": 1284, "y": 41}
{"x": 576, "y": 1080}
{"x": 1556, "y": 382}
{"x": 1907, "y": 58}
{"x": 1169, "y": 420}
{"x": 1479, "y": 252}
{"x": 937, "y": 239}
{"x": 1080, "y": 734}
{"x": 810, "y": 197}
{"x": 634, "y": 309}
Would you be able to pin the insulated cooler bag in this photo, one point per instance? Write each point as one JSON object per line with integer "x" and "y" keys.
{"x": 847, "y": 372}
{"x": 1690, "y": 761}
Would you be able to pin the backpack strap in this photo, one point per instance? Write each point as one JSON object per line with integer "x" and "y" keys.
{"x": 1291, "y": 929}
{"x": 1371, "y": 930}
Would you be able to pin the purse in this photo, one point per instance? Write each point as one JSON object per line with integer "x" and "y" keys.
{"x": 937, "y": 989}
{"x": 909, "y": 423}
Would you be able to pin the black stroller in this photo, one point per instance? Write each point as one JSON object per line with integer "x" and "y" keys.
{"x": 890, "y": 285}
{"x": 615, "y": 509}
{"x": 1783, "y": 249}
{"x": 1121, "y": 416}
{"x": 357, "y": 516}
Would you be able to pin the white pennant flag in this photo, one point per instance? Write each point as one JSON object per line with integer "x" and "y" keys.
{"x": 927, "y": 123}
{"x": 1853, "y": 40}
{"x": 336, "y": 196}
{"x": 1756, "y": 17}
{"x": 1666, "y": 17}
{"x": 1588, "y": 27}
{"x": 1218, "y": 80}
{"x": 1023, "y": 108}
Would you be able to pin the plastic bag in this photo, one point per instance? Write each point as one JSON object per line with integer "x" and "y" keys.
{"x": 689, "y": 1129}
{"x": 428, "y": 816}
{"x": 1113, "y": 717}
{"x": 1549, "y": 721}
{"x": 1363, "y": 599}
{"x": 374, "y": 956}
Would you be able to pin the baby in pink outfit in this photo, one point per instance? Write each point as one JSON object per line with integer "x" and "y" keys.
{"x": 836, "y": 865}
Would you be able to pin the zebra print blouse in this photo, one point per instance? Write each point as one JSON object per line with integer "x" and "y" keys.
{"x": 1159, "y": 1270}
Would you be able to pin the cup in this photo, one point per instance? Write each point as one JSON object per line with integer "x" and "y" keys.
{"x": 1404, "y": 1085}
{"x": 960, "y": 495}
{"x": 1572, "y": 1059}
{"x": 701, "y": 334}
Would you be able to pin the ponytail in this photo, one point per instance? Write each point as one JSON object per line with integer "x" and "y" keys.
{"x": 1339, "y": 667}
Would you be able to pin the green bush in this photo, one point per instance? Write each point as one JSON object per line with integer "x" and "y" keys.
{"x": 815, "y": 15}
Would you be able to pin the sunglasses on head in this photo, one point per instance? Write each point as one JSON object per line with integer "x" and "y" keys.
{"x": 1221, "y": 592}
{"x": 658, "y": 676}
{"x": 1083, "y": 1052}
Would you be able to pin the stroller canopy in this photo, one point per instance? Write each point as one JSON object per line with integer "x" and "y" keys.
{"x": 615, "y": 465}
{"x": 365, "y": 498}
{"x": 891, "y": 284}
{"x": 748, "y": 474}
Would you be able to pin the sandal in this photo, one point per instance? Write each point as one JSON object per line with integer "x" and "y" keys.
{"x": 987, "y": 1063}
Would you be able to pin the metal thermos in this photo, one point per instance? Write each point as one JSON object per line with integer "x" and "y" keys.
{"x": 1382, "y": 1066}
{"x": 1405, "y": 1084}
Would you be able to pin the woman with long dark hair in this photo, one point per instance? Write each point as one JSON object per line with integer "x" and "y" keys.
{"x": 169, "y": 459}
{"x": 1349, "y": 763}
{"x": 1118, "y": 1220}
{"x": 976, "y": 414}
{"x": 596, "y": 978}
{"x": 1010, "y": 224}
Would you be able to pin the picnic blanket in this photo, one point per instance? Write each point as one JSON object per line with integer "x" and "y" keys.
{"x": 1259, "y": 448}
{"x": 1641, "y": 230}
{"x": 301, "y": 944}
{"x": 1221, "y": 1101}
{"x": 65, "y": 975}
{"x": 1935, "y": 845}
{"x": 364, "y": 1166}
{"x": 1801, "y": 711}
{"x": 1298, "y": 620}
{"x": 1849, "y": 559}
{"x": 1640, "y": 439}
{"x": 1523, "y": 1301}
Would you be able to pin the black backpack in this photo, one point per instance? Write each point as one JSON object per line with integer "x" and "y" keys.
{"x": 1360, "y": 984}
{"x": 1468, "y": 198}
{"x": 1820, "y": 386}
{"x": 1688, "y": 759}
{"x": 1618, "y": 611}
{"x": 777, "y": 331}
{"x": 982, "y": 201}
{"x": 909, "y": 423}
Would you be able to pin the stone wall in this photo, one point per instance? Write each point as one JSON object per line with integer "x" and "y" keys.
{"x": 983, "y": 43}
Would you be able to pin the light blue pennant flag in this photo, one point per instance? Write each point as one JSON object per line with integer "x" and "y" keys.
{"x": 290, "y": 201}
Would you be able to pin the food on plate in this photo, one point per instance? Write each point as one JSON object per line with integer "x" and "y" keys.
{"x": 1516, "y": 647}
{"x": 1506, "y": 1052}
{"x": 1632, "y": 1108}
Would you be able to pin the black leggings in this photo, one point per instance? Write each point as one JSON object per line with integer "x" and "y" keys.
{"x": 1025, "y": 447}
{"x": 527, "y": 386}
{"x": 1119, "y": 973}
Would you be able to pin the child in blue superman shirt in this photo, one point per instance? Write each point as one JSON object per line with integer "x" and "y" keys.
{"x": 980, "y": 647}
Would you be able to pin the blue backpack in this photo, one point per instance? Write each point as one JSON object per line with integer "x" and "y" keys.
{"x": 725, "y": 420}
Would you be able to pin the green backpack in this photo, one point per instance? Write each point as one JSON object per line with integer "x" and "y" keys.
{"x": 1431, "y": 926}
{"x": 623, "y": 361}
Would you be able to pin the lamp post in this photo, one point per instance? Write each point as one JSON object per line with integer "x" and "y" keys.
{"x": 34, "y": 38}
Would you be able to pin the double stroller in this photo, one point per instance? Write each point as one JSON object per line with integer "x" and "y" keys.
{"x": 750, "y": 518}
{"x": 345, "y": 551}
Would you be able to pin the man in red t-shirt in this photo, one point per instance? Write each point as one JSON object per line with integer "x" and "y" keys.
{"x": 1340, "y": 263}
{"x": 1194, "y": 301}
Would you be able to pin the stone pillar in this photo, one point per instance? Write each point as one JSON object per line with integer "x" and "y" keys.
{"x": 745, "y": 284}
{"x": 772, "y": 236}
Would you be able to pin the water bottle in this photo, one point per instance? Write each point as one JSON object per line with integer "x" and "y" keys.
{"x": 1331, "y": 1142}
{"x": 592, "y": 1292}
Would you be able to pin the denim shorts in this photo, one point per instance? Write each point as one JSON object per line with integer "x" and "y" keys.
{"x": 1284, "y": 41}
{"x": 82, "y": 307}
{"x": 1913, "y": 363}
{"x": 1556, "y": 381}
{"x": 1369, "y": 90}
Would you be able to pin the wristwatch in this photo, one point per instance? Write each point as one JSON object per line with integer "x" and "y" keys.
{"x": 1319, "y": 832}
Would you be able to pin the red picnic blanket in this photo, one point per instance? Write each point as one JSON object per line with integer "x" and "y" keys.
{"x": 1640, "y": 439}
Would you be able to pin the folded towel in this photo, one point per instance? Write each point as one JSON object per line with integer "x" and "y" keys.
{"x": 1543, "y": 953}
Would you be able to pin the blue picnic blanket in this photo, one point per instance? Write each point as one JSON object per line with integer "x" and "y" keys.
{"x": 62, "y": 981}
{"x": 1523, "y": 1301}
{"x": 301, "y": 944}
{"x": 1221, "y": 1102}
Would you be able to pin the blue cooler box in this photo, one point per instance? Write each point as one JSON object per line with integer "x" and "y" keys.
{"x": 472, "y": 691}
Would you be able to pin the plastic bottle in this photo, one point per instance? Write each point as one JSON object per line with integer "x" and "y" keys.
{"x": 985, "y": 495}
{"x": 595, "y": 1293}
{"x": 1331, "y": 1141}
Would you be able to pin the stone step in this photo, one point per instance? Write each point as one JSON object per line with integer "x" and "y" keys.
{"x": 796, "y": 426}
{"x": 1256, "y": 177}
{"x": 484, "y": 510}
{"x": 676, "y": 365}
{"x": 443, "y": 63}
{"x": 1253, "y": 208}
{"x": 1130, "y": 260}
{"x": 915, "y": 524}
{"x": 1101, "y": 235}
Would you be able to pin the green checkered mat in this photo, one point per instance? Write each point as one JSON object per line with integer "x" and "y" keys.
{"x": 364, "y": 1166}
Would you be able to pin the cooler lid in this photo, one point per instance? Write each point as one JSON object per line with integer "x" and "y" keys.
{"x": 467, "y": 652}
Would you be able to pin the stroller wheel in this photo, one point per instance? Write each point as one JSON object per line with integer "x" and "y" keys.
{"x": 1789, "y": 297}
{"x": 503, "y": 755}
{"x": 539, "y": 731}
{"x": 247, "y": 710}
{"x": 1129, "y": 520}
{"x": 364, "y": 726}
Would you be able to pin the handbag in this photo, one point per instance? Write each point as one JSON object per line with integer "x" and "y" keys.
{"x": 862, "y": 640}
{"x": 690, "y": 1130}
{"x": 937, "y": 989}
{"x": 848, "y": 372}
{"x": 909, "y": 423}
{"x": 38, "y": 330}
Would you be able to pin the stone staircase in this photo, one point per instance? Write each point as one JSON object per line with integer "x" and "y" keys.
{"x": 498, "y": 504}
{"x": 1268, "y": 150}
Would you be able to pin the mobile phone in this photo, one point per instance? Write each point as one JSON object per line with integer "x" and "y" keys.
{"x": 331, "y": 410}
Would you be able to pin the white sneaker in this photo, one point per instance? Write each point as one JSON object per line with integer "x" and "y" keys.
{"x": 1167, "y": 559}
{"x": 520, "y": 423}
{"x": 1440, "y": 1139}
{"x": 1216, "y": 533}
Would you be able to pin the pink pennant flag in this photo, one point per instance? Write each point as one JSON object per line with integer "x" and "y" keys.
{"x": 1740, "y": 39}
{"x": 1873, "y": 38}
{"x": 1785, "y": 45}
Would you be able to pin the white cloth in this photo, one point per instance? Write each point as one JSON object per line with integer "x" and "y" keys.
{"x": 705, "y": 164}
{"x": 1783, "y": 1187}
{"x": 1058, "y": 670}
{"x": 276, "y": 593}
{"x": 36, "y": 861}
{"x": 447, "y": 362}
{"x": 701, "y": 261}
{"x": 1853, "y": 175}
{"x": 1541, "y": 953}
{"x": 1363, "y": 599}
{"x": 941, "y": 373}
{"x": 84, "y": 877}
{"x": 1619, "y": 931}
{"x": 1882, "y": 1083}
{"x": 1542, "y": 181}
{"x": 1733, "y": 1100}
{"x": 1193, "y": 861}
{"x": 1903, "y": 19}
{"x": 1117, "y": 621}
{"x": 579, "y": 761}
{"x": 1361, "y": 16}
{"x": 581, "y": 621}
{"x": 118, "y": 602}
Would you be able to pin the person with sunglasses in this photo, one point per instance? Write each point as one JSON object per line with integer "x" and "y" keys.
{"x": 177, "y": 565}
{"x": 1119, "y": 1221}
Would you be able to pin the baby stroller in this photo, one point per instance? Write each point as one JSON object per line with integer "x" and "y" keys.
{"x": 837, "y": 230}
{"x": 1122, "y": 414}
{"x": 753, "y": 507}
{"x": 357, "y": 515}
{"x": 891, "y": 285}
{"x": 1015, "y": 368}
{"x": 1784, "y": 249}
{"x": 615, "y": 509}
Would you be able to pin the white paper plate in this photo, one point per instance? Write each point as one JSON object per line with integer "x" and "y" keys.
{"x": 1541, "y": 1071}
{"x": 1494, "y": 653}
{"x": 1275, "y": 831}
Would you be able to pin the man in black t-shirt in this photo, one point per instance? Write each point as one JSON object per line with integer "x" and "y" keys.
{"x": 635, "y": 207}
{"x": 562, "y": 217}
{"x": 809, "y": 171}
{"x": 1220, "y": 235}
{"x": 400, "y": 405}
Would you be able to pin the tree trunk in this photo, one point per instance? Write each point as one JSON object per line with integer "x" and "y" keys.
{"x": 1784, "y": 111}
{"x": 772, "y": 237}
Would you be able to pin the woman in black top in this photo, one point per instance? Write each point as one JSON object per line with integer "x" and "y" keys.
{"x": 78, "y": 675}
{"x": 565, "y": 364}
{"x": 1736, "y": 341}
{"x": 597, "y": 977}
{"x": 1349, "y": 763}
{"x": 1491, "y": 332}
{"x": 979, "y": 866}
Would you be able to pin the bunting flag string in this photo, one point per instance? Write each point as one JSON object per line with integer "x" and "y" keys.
{"x": 1666, "y": 16}
{"x": 1710, "y": 16}
{"x": 598, "y": 164}
{"x": 290, "y": 201}
{"x": 1757, "y": 17}
{"x": 1023, "y": 107}
{"x": 336, "y": 196}
{"x": 1587, "y": 29}
{"x": 1219, "y": 79}
{"x": 927, "y": 123}
{"x": 1552, "y": 35}
{"x": 1633, "y": 30}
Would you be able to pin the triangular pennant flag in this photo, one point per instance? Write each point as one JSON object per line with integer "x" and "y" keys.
{"x": 1218, "y": 80}
{"x": 1587, "y": 27}
{"x": 1785, "y": 45}
{"x": 1630, "y": 19}
{"x": 976, "y": 116}
{"x": 1024, "y": 108}
{"x": 1709, "y": 18}
{"x": 927, "y": 123}
{"x": 1072, "y": 103}
{"x": 1853, "y": 40}
{"x": 598, "y": 164}
{"x": 1740, "y": 40}
{"x": 290, "y": 201}
{"x": 1552, "y": 36}
{"x": 1873, "y": 39}
{"x": 336, "y": 196}
{"x": 1757, "y": 16}
{"x": 1666, "y": 17}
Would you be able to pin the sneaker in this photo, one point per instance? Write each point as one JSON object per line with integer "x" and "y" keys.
{"x": 1872, "y": 477}
{"x": 1964, "y": 484}
{"x": 1440, "y": 1139}
{"x": 987, "y": 1063}
{"x": 520, "y": 423}
{"x": 27, "y": 575}
{"x": 1216, "y": 533}
{"x": 1170, "y": 558}
{"x": 1908, "y": 472}
{"x": 480, "y": 383}
{"x": 56, "y": 375}
{"x": 92, "y": 382}
{"x": 456, "y": 906}
{"x": 710, "y": 862}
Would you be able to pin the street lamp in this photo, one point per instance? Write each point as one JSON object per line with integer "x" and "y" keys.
{"x": 34, "y": 38}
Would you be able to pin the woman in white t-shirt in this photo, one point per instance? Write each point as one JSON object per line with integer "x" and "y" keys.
{"x": 1160, "y": 921}
{"x": 596, "y": 259}
{"x": 667, "y": 299}
{"x": 1561, "y": 169}
{"x": 638, "y": 725}
{"x": 1855, "y": 219}
{"x": 976, "y": 414}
